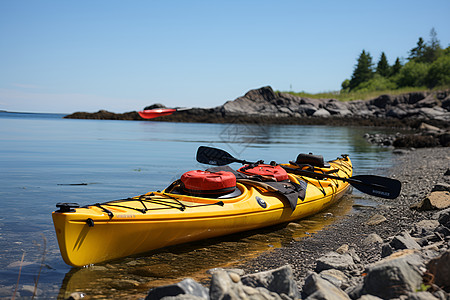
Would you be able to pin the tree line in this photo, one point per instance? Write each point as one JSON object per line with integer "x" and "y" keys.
{"x": 427, "y": 66}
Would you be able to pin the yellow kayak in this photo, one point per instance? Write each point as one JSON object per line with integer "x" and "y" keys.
{"x": 120, "y": 228}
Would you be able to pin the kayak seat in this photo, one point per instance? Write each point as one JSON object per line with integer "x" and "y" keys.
{"x": 311, "y": 160}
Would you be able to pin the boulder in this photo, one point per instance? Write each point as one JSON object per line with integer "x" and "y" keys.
{"x": 395, "y": 275}
{"x": 318, "y": 288}
{"x": 188, "y": 286}
{"x": 322, "y": 113}
{"x": 224, "y": 287}
{"x": 436, "y": 200}
{"x": 280, "y": 281}
{"x": 334, "y": 260}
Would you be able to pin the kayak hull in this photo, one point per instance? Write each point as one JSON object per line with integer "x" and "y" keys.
{"x": 95, "y": 234}
{"x": 154, "y": 113}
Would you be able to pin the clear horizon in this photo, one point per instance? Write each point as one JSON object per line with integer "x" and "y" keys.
{"x": 62, "y": 56}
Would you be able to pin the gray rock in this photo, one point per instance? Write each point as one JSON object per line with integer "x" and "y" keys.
{"x": 336, "y": 277}
{"x": 404, "y": 241}
{"x": 395, "y": 275}
{"x": 386, "y": 250}
{"x": 187, "y": 286}
{"x": 280, "y": 281}
{"x": 318, "y": 288}
{"x": 443, "y": 217}
{"x": 323, "y": 113}
{"x": 223, "y": 287}
{"x": 373, "y": 238}
{"x": 425, "y": 227}
{"x": 334, "y": 260}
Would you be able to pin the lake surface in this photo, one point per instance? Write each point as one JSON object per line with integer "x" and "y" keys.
{"x": 45, "y": 159}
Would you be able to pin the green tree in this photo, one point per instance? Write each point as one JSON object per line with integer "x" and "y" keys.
{"x": 345, "y": 85}
{"x": 363, "y": 70}
{"x": 413, "y": 74}
{"x": 383, "y": 67}
{"x": 396, "y": 67}
{"x": 439, "y": 72}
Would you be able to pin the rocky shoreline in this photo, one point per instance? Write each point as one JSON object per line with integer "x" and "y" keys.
{"x": 397, "y": 249}
{"x": 264, "y": 106}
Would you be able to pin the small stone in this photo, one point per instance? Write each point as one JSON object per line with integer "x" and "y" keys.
{"x": 373, "y": 238}
{"x": 234, "y": 277}
{"x": 376, "y": 220}
{"x": 342, "y": 249}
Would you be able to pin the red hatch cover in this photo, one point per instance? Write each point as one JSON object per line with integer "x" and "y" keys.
{"x": 276, "y": 172}
{"x": 200, "y": 183}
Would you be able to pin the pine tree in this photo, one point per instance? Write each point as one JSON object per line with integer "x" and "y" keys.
{"x": 416, "y": 53}
{"x": 396, "y": 67}
{"x": 363, "y": 70}
{"x": 432, "y": 49}
{"x": 383, "y": 67}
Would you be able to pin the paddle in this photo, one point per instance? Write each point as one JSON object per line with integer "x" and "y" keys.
{"x": 370, "y": 184}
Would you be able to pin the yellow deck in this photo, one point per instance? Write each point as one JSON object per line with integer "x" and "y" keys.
{"x": 130, "y": 231}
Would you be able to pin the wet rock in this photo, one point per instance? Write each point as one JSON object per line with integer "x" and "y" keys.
{"x": 280, "y": 281}
{"x": 334, "y": 260}
{"x": 187, "y": 286}
{"x": 440, "y": 268}
{"x": 395, "y": 275}
{"x": 318, "y": 288}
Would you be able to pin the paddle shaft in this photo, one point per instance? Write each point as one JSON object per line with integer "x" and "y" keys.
{"x": 323, "y": 176}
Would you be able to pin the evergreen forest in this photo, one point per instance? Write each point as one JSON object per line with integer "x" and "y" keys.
{"x": 427, "y": 67}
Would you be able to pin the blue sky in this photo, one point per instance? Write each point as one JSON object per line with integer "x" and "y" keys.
{"x": 66, "y": 56}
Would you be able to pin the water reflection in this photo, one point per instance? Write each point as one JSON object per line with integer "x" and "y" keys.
{"x": 132, "y": 277}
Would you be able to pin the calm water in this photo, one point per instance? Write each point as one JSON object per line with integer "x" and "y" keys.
{"x": 43, "y": 157}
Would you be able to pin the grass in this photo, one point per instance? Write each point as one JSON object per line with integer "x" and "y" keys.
{"x": 357, "y": 95}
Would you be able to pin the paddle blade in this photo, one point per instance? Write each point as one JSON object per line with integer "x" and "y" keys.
{"x": 377, "y": 186}
{"x": 214, "y": 156}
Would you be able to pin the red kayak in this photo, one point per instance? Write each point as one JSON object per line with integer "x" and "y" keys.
{"x": 158, "y": 112}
